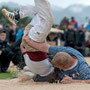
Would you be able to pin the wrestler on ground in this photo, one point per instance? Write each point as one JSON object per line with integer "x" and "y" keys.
{"x": 68, "y": 60}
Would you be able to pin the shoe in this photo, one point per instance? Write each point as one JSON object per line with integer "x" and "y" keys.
{"x": 9, "y": 15}
{"x": 28, "y": 74}
{"x": 26, "y": 69}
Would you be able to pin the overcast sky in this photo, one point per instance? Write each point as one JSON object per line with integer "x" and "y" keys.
{"x": 61, "y": 3}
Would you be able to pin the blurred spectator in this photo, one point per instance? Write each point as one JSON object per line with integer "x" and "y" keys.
{"x": 57, "y": 27}
{"x": 64, "y": 27}
{"x": 88, "y": 47}
{"x": 1, "y": 27}
{"x": 74, "y": 22}
{"x": 12, "y": 34}
{"x": 52, "y": 37}
{"x": 20, "y": 33}
{"x": 87, "y": 34}
{"x": 88, "y": 26}
{"x": 65, "y": 21}
{"x": 5, "y": 52}
{"x": 6, "y": 28}
{"x": 70, "y": 36}
{"x": 18, "y": 59}
{"x": 80, "y": 40}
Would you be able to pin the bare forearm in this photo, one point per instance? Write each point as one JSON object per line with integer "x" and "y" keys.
{"x": 68, "y": 81}
{"x": 44, "y": 47}
{"x": 40, "y": 46}
{"x": 81, "y": 81}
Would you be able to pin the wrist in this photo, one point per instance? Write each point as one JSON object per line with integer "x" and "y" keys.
{"x": 48, "y": 46}
{"x": 24, "y": 53}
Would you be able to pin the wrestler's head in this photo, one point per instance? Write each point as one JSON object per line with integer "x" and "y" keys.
{"x": 61, "y": 60}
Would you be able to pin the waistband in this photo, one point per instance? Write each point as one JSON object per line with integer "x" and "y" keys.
{"x": 36, "y": 56}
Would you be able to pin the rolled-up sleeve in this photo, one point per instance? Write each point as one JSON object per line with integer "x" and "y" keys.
{"x": 53, "y": 50}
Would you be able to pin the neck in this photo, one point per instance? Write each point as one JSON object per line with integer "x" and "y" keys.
{"x": 74, "y": 60}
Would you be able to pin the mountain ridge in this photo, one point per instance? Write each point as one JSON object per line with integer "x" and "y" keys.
{"x": 79, "y": 11}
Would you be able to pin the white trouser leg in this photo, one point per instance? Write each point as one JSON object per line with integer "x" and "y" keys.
{"x": 40, "y": 31}
{"x": 27, "y": 11}
{"x": 28, "y": 74}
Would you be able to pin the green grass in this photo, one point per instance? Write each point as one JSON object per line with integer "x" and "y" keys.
{"x": 7, "y": 75}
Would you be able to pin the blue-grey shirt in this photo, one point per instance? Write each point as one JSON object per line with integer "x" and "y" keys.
{"x": 81, "y": 71}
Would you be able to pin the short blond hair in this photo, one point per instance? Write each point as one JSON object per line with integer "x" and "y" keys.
{"x": 61, "y": 59}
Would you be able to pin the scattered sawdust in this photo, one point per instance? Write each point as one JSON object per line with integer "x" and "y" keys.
{"x": 23, "y": 83}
